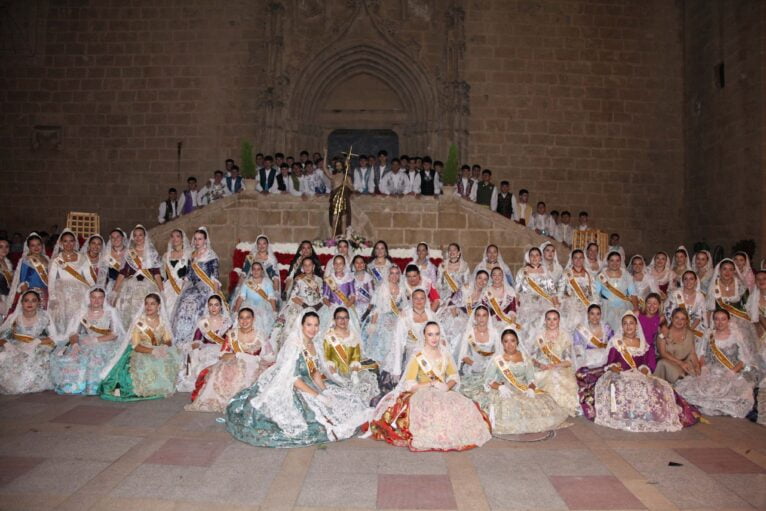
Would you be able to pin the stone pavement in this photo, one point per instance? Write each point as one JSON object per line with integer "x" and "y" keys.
{"x": 79, "y": 453}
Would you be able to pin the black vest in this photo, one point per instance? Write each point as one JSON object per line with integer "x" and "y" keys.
{"x": 281, "y": 183}
{"x": 505, "y": 205}
{"x": 169, "y": 209}
{"x": 267, "y": 182}
{"x": 427, "y": 182}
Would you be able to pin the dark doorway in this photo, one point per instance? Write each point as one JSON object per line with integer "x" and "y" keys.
{"x": 367, "y": 142}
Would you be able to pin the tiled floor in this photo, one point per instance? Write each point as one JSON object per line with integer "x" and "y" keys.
{"x": 77, "y": 453}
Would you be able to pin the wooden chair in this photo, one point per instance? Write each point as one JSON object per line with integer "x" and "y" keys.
{"x": 581, "y": 240}
{"x": 83, "y": 224}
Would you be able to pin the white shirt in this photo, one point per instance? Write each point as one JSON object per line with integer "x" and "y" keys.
{"x": 318, "y": 179}
{"x": 564, "y": 233}
{"x": 174, "y": 206}
{"x": 212, "y": 192}
{"x": 542, "y": 222}
{"x": 522, "y": 210}
{"x": 470, "y": 196}
{"x": 492, "y": 200}
{"x": 395, "y": 183}
{"x": 414, "y": 179}
{"x": 259, "y": 188}
{"x": 364, "y": 180}
{"x": 305, "y": 186}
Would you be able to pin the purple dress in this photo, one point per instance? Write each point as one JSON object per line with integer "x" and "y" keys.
{"x": 650, "y": 326}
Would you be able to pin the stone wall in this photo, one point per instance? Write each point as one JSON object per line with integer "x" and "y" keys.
{"x": 104, "y": 104}
{"x": 402, "y": 222}
{"x": 725, "y": 136}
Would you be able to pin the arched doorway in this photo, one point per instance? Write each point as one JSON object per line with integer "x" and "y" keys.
{"x": 363, "y": 141}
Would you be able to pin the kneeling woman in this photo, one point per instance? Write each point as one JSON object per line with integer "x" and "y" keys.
{"x": 292, "y": 405}
{"x": 423, "y": 412}
{"x": 510, "y": 398}
{"x": 148, "y": 365}
{"x": 628, "y": 397}
{"x": 244, "y": 354}
{"x": 94, "y": 335}
{"x": 26, "y": 342}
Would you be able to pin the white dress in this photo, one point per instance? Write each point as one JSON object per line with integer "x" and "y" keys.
{"x": 25, "y": 363}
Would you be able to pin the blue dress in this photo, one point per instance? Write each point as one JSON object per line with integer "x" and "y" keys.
{"x": 191, "y": 303}
{"x": 251, "y": 297}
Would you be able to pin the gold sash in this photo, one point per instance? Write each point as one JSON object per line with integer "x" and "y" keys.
{"x": 682, "y": 304}
{"x": 536, "y": 287}
{"x": 21, "y": 337}
{"x": 90, "y": 326}
{"x": 548, "y": 352}
{"x": 339, "y": 349}
{"x": 311, "y": 364}
{"x": 729, "y": 307}
{"x": 212, "y": 334}
{"x": 394, "y": 307}
{"x": 499, "y": 312}
{"x": 476, "y": 348}
{"x": 74, "y": 273}
{"x": 114, "y": 263}
{"x": 8, "y": 275}
{"x": 258, "y": 289}
{"x": 720, "y": 355}
{"x": 233, "y": 342}
{"x": 576, "y": 287}
{"x": 511, "y": 378}
{"x": 39, "y": 267}
{"x": 137, "y": 261}
{"x": 625, "y": 354}
{"x": 450, "y": 281}
{"x": 172, "y": 280}
{"x": 411, "y": 336}
{"x": 147, "y": 331}
{"x": 616, "y": 292}
{"x": 337, "y": 291}
{"x": 204, "y": 277}
{"x": 585, "y": 332}
{"x": 93, "y": 273}
{"x": 425, "y": 366}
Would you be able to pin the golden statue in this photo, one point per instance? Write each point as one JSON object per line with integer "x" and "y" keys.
{"x": 340, "y": 197}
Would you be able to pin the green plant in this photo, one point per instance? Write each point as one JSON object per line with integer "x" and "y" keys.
{"x": 248, "y": 164}
{"x": 451, "y": 167}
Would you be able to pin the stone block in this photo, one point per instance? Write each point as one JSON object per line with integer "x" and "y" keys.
{"x": 295, "y": 218}
{"x": 452, "y": 220}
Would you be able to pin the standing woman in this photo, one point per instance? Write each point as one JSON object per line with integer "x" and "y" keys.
{"x": 263, "y": 255}
{"x": 26, "y": 342}
{"x": 424, "y": 412}
{"x": 140, "y": 275}
{"x": 114, "y": 258}
{"x": 257, "y": 293}
{"x": 148, "y": 362}
{"x": 67, "y": 286}
{"x": 338, "y": 289}
{"x": 728, "y": 292}
{"x": 342, "y": 248}
{"x": 650, "y": 319}
{"x": 681, "y": 264}
{"x": 593, "y": 262}
{"x": 305, "y": 251}
{"x": 387, "y": 304}
{"x": 94, "y": 268}
{"x": 380, "y": 262}
{"x": 453, "y": 274}
{"x": 31, "y": 273}
{"x": 202, "y": 282}
{"x": 643, "y": 282}
{"x": 722, "y": 387}
{"x": 578, "y": 290}
{"x": 756, "y": 306}
{"x": 628, "y": 397}
{"x": 703, "y": 267}
{"x": 293, "y": 403}
{"x": 536, "y": 289}
{"x": 554, "y": 361}
{"x": 203, "y": 349}
{"x": 551, "y": 260}
{"x": 175, "y": 266}
{"x": 615, "y": 288}
{"x": 93, "y": 337}
{"x": 6, "y": 277}
{"x": 661, "y": 273}
{"x": 744, "y": 269}
{"x": 420, "y": 259}
{"x": 244, "y": 355}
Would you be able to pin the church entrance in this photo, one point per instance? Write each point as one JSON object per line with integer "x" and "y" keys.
{"x": 367, "y": 142}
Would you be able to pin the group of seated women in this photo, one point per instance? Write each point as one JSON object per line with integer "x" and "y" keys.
{"x": 427, "y": 357}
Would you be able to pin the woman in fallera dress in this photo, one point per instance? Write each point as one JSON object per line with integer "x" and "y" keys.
{"x": 455, "y": 317}
{"x": 660, "y": 271}
{"x": 510, "y": 397}
{"x": 306, "y": 291}
{"x": 94, "y": 268}
{"x": 553, "y": 358}
{"x": 593, "y": 262}
{"x": 202, "y": 350}
{"x": 744, "y": 269}
{"x": 175, "y": 266}
{"x": 628, "y": 397}
{"x": 114, "y": 257}
{"x": 293, "y": 404}
{"x": 676, "y": 349}
{"x": 479, "y": 343}
{"x": 148, "y": 362}
{"x": 139, "y": 276}
{"x": 551, "y": 260}
{"x": 643, "y": 282}
{"x": 6, "y": 276}
{"x": 536, "y": 290}
{"x": 421, "y": 259}
{"x": 728, "y": 292}
{"x": 387, "y": 305}
{"x": 342, "y": 357}
{"x": 67, "y": 286}
{"x": 500, "y": 297}
{"x": 202, "y": 281}
{"x": 578, "y": 290}
{"x": 92, "y": 339}
{"x": 380, "y": 262}
{"x": 243, "y": 356}
{"x": 615, "y": 290}
{"x": 26, "y": 342}
{"x": 31, "y": 273}
{"x": 591, "y": 339}
{"x": 690, "y": 298}
{"x": 257, "y": 293}
{"x": 453, "y": 275}
{"x": 493, "y": 258}
{"x": 364, "y": 289}
{"x": 681, "y": 264}
{"x": 338, "y": 290}
{"x": 703, "y": 267}
{"x": 424, "y": 412}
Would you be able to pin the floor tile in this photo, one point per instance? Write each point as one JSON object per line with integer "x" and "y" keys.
{"x": 56, "y": 477}
{"x": 518, "y": 487}
{"x": 68, "y": 444}
{"x": 594, "y": 492}
{"x": 415, "y": 492}
{"x": 750, "y": 487}
{"x": 187, "y": 452}
{"x": 12, "y": 467}
{"x": 720, "y": 461}
{"x": 328, "y": 490}
{"x": 89, "y": 415}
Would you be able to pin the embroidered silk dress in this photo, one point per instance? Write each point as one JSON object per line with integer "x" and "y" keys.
{"x": 559, "y": 382}
{"x": 258, "y": 296}
{"x": 24, "y": 362}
